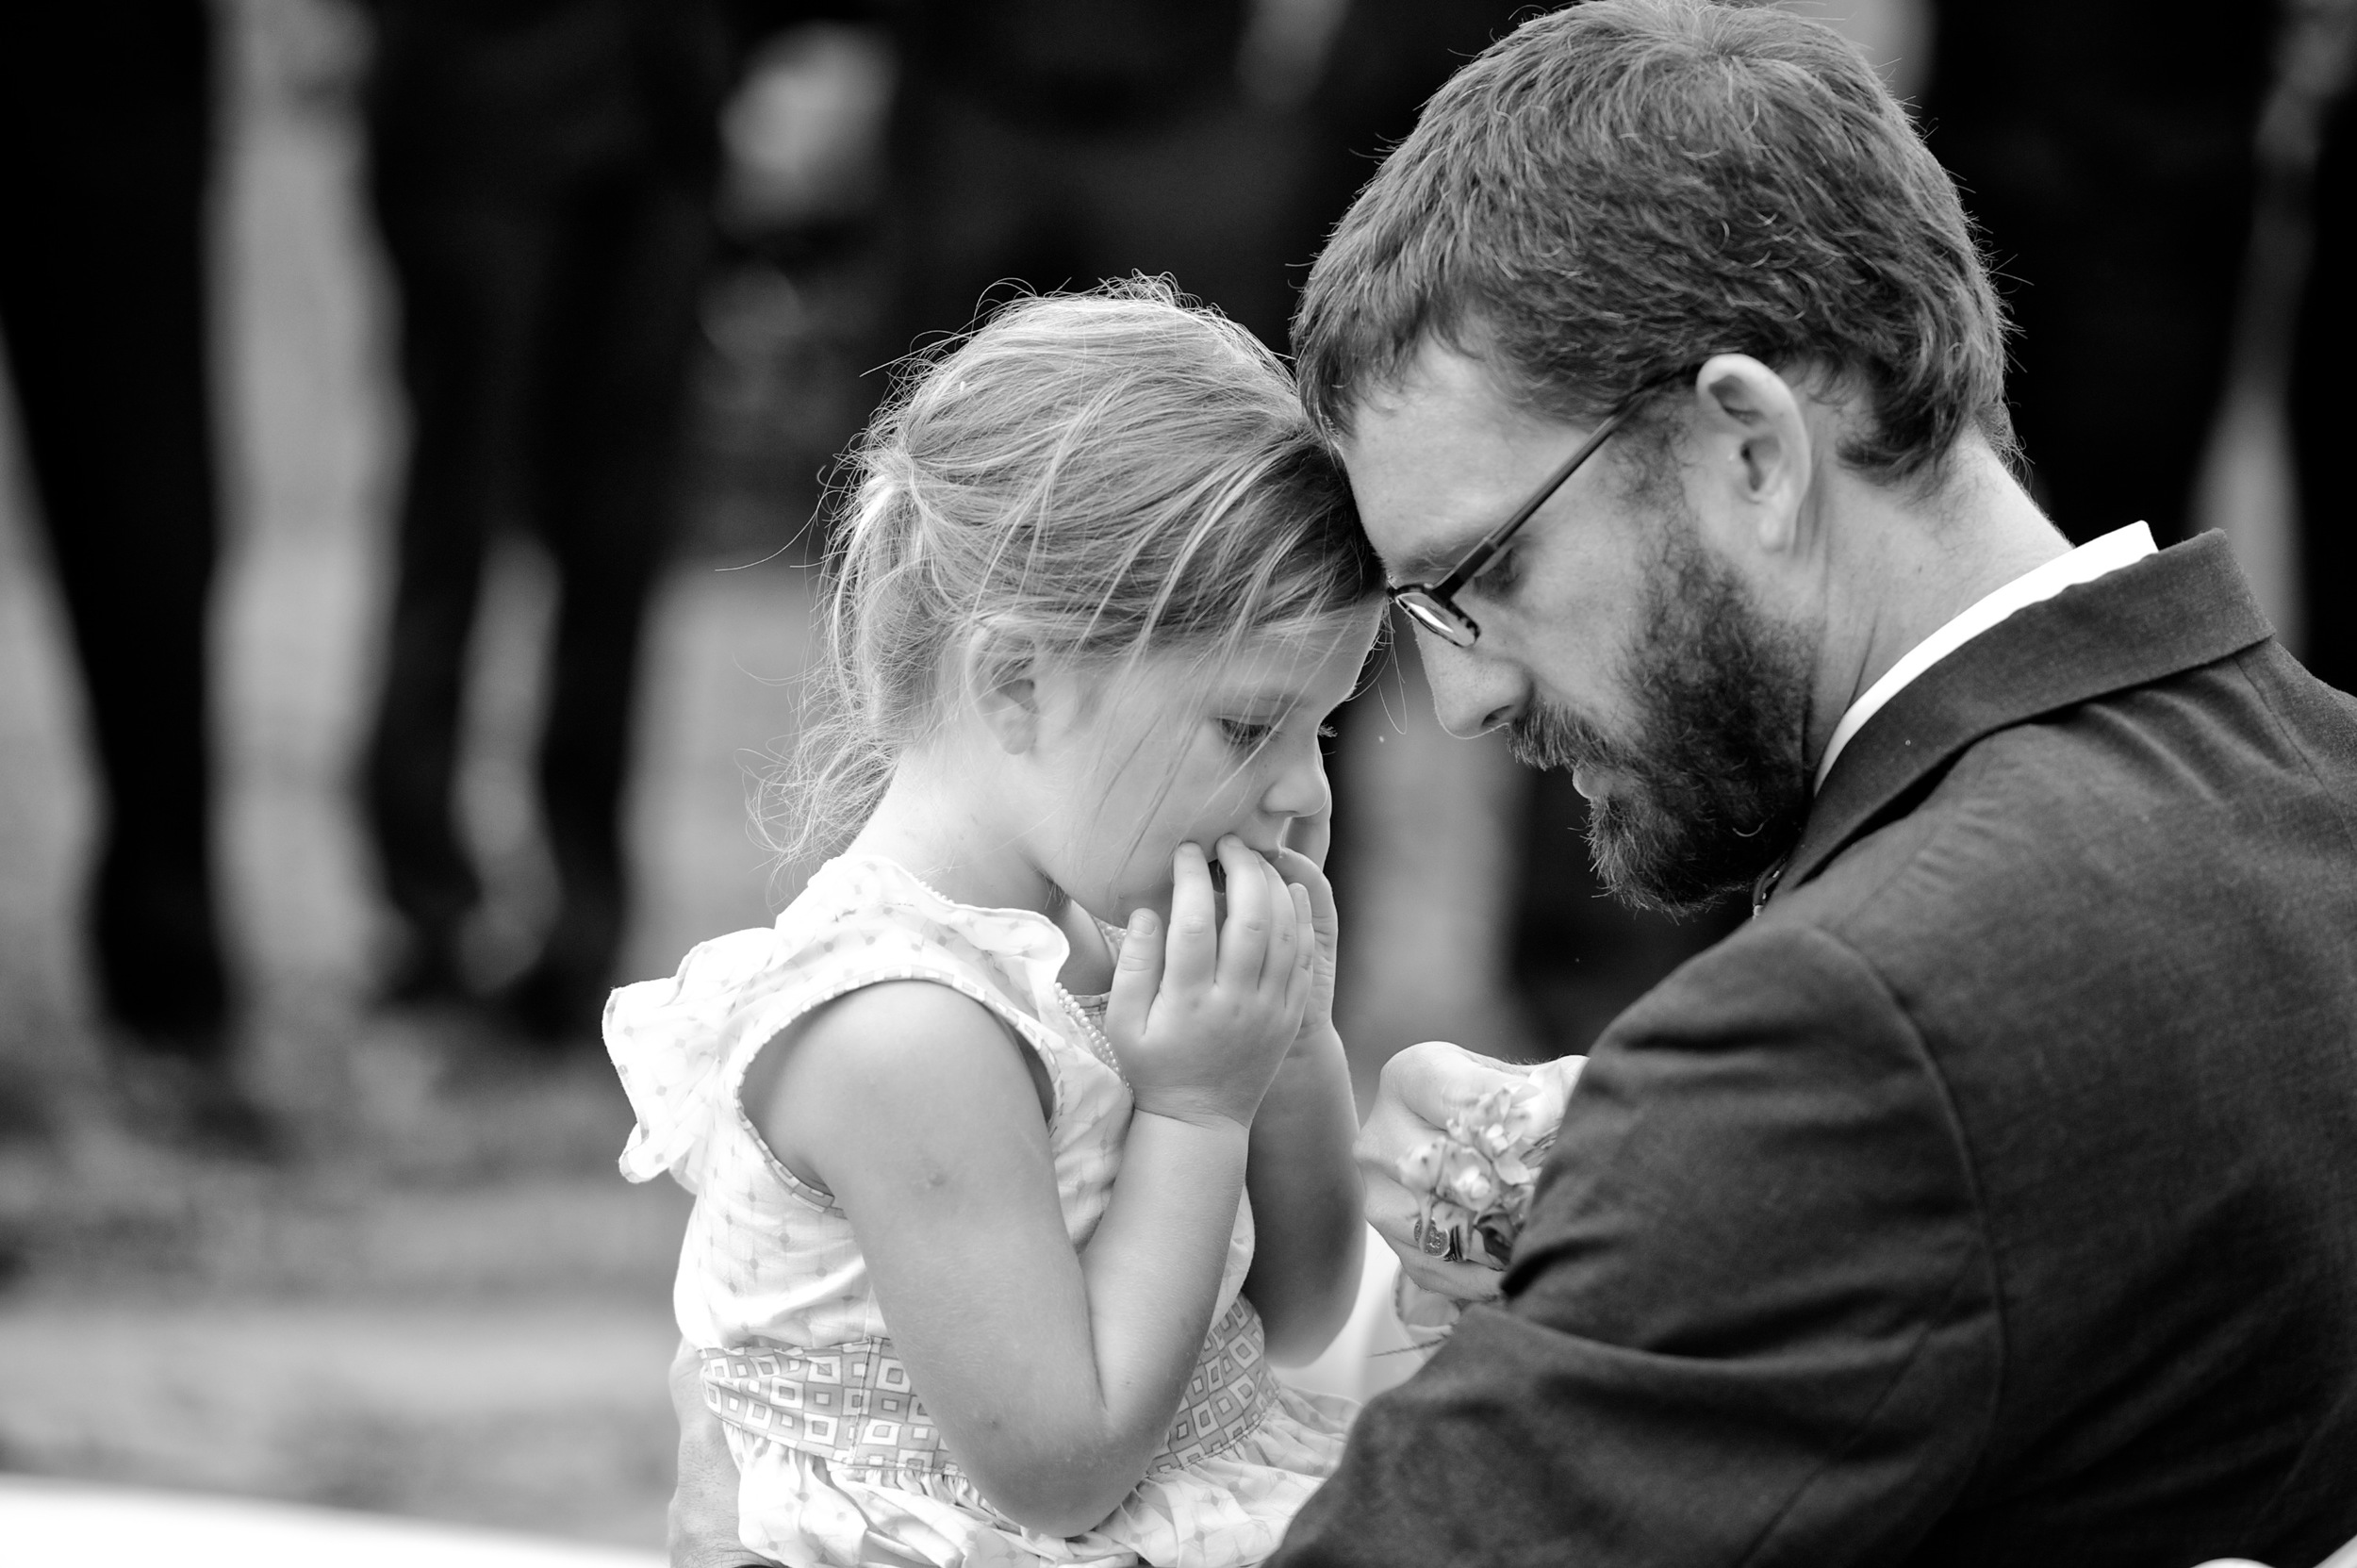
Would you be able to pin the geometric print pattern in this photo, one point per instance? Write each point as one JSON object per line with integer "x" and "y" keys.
{"x": 1227, "y": 1396}
{"x": 852, "y": 1405}
{"x": 771, "y": 1270}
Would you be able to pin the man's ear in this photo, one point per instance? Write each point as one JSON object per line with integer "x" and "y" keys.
{"x": 1001, "y": 679}
{"x": 1757, "y": 452}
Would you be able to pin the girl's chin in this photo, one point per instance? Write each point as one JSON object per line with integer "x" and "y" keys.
{"x": 1123, "y": 902}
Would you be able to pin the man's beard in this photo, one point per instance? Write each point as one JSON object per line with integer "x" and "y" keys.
{"x": 1712, "y": 789}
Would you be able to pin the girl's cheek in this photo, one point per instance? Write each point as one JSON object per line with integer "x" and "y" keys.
{"x": 1153, "y": 895}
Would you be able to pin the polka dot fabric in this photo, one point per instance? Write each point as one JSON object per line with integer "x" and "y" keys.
{"x": 769, "y": 1265}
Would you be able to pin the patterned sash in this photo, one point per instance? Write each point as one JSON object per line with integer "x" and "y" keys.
{"x": 852, "y": 1404}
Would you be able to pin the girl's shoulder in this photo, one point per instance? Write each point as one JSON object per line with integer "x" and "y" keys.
{"x": 682, "y": 1045}
{"x": 856, "y": 906}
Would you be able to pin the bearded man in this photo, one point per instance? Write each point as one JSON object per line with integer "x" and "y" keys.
{"x": 1992, "y": 1195}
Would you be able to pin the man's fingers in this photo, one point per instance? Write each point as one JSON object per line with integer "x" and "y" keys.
{"x": 1393, "y": 1211}
{"x": 1434, "y": 1080}
{"x": 1457, "y": 1281}
{"x": 1137, "y": 976}
{"x": 1420, "y": 1089}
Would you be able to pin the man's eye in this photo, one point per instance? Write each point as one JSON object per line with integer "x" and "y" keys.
{"x": 1244, "y": 733}
{"x": 1497, "y": 574}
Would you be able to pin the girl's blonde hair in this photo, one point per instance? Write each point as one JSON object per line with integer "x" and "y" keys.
{"x": 1088, "y": 477}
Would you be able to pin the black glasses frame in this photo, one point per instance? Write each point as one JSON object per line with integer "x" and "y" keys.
{"x": 1433, "y": 605}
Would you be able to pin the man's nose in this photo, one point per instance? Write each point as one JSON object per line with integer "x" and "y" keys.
{"x": 1471, "y": 695}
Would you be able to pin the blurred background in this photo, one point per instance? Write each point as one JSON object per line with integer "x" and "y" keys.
{"x": 417, "y": 411}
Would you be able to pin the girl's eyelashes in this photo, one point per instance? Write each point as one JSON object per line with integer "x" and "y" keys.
{"x": 1246, "y": 734}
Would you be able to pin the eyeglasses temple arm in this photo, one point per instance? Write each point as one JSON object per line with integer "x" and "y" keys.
{"x": 1495, "y": 539}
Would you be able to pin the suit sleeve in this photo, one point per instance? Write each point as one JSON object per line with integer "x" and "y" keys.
{"x": 1751, "y": 1319}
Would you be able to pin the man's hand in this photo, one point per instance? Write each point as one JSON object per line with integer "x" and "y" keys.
{"x": 1421, "y": 1087}
{"x": 704, "y": 1507}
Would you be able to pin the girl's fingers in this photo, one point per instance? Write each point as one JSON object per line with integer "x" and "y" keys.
{"x": 1191, "y": 954}
{"x": 1311, "y": 836}
{"x": 1303, "y": 872}
{"x": 1137, "y": 977}
{"x": 1243, "y": 942}
{"x": 1288, "y": 936}
{"x": 1305, "y": 973}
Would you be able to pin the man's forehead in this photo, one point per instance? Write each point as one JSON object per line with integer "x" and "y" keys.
{"x": 1440, "y": 456}
{"x": 1439, "y": 379}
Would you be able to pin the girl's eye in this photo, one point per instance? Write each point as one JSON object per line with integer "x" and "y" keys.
{"x": 1242, "y": 733}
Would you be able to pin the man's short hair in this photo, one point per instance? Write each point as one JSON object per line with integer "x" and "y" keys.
{"x": 1620, "y": 190}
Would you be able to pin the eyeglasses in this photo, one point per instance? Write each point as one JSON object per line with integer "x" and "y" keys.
{"x": 1434, "y": 604}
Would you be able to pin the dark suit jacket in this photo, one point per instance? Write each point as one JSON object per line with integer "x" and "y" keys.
{"x": 1992, "y": 1197}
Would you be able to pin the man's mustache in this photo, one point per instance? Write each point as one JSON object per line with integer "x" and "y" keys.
{"x": 1547, "y": 737}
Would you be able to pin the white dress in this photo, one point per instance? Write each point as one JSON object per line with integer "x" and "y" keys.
{"x": 839, "y": 1462}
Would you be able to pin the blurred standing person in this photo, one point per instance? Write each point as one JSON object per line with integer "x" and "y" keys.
{"x": 107, "y": 109}
{"x": 2314, "y": 121}
{"x": 2106, "y": 149}
{"x": 542, "y": 176}
{"x": 1056, "y": 143}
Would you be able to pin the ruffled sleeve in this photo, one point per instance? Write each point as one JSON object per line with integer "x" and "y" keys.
{"x": 670, "y": 1041}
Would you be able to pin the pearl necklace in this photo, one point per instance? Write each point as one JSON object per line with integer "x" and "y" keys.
{"x": 1098, "y": 1046}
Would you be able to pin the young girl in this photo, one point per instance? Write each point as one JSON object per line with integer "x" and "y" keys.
{"x": 1004, "y": 1208}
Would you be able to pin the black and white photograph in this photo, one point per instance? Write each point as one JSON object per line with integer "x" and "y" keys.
{"x": 1177, "y": 783}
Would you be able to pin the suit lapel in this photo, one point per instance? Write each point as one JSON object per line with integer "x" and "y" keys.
{"x": 2184, "y": 607}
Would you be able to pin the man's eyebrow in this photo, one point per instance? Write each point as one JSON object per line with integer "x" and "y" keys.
{"x": 1430, "y": 562}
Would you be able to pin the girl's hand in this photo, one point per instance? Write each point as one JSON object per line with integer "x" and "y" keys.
{"x": 703, "y": 1501}
{"x": 1312, "y": 837}
{"x": 1200, "y": 1021}
{"x": 1301, "y": 873}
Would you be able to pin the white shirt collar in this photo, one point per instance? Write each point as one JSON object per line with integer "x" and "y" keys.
{"x": 2116, "y": 549}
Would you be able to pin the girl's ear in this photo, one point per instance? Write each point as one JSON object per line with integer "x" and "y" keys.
{"x": 1002, "y": 678}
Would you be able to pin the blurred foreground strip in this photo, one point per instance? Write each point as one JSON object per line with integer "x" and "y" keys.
{"x": 63, "y": 1524}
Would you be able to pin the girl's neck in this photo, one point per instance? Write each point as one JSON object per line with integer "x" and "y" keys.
{"x": 936, "y": 823}
{"x": 954, "y": 852}
{"x": 938, "y": 834}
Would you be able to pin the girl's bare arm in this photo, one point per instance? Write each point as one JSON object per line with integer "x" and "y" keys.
{"x": 1053, "y": 1375}
{"x": 1307, "y": 1201}
{"x": 1306, "y": 1198}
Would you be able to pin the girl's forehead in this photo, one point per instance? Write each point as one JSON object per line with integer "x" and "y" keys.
{"x": 1288, "y": 664}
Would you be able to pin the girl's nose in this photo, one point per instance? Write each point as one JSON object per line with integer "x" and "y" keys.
{"x": 1300, "y": 790}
